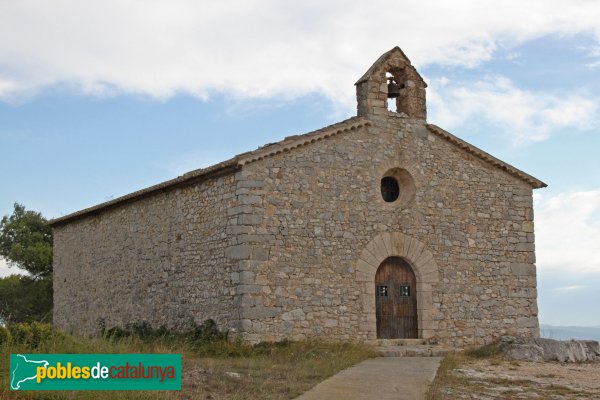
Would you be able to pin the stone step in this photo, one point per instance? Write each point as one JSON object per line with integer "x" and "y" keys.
{"x": 397, "y": 342}
{"x": 413, "y": 351}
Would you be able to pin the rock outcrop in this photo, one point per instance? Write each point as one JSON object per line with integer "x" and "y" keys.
{"x": 539, "y": 349}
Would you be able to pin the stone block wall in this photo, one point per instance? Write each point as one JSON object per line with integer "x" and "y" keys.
{"x": 288, "y": 246}
{"x": 312, "y": 213}
{"x": 160, "y": 259}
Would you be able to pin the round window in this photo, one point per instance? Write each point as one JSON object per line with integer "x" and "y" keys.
{"x": 397, "y": 187}
{"x": 390, "y": 189}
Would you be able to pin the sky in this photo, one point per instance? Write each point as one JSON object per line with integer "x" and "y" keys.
{"x": 98, "y": 99}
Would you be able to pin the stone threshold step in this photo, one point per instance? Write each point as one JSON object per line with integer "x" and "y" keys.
{"x": 397, "y": 342}
{"x": 413, "y": 351}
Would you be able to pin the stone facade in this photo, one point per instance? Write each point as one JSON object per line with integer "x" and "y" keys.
{"x": 285, "y": 241}
{"x": 160, "y": 260}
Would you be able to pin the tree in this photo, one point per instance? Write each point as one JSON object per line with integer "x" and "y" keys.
{"x": 23, "y": 299}
{"x": 26, "y": 242}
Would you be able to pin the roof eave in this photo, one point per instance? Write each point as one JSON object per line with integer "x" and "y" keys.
{"x": 226, "y": 167}
{"x": 533, "y": 181}
{"x": 230, "y": 166}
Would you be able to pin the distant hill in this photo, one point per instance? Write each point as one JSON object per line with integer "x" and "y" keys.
{"x": 570, "y": 332}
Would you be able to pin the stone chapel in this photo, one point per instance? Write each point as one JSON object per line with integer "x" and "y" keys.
{"x": 379, "y": 226}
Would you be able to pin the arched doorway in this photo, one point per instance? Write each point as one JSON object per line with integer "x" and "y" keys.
{"x": 396, "y": 300}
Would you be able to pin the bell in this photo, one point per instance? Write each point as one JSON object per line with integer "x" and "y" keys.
{"x": 393, "y": 89}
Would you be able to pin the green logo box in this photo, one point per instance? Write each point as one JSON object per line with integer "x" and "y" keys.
{"x": 95, "y": 372}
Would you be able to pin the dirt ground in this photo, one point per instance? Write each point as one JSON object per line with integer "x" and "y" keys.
{"x": 497, "y": 378}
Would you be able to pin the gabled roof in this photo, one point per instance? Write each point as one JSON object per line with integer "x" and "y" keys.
{"x": 225, "y": 167}
{"x": 469, "y": 148}
{"x": 291, "y": 142}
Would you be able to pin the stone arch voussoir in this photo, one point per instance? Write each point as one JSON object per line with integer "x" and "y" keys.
{"x": 397, "y": 244}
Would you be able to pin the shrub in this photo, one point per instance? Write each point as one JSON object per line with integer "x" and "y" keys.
{"x": 5, "y": 336}
{"x": 31, "y": 334}
{"x": 207, "y": 332}
{"x": 21, "y": 333}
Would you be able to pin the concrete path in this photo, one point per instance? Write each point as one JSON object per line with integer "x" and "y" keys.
{"x": 379, "y": 378}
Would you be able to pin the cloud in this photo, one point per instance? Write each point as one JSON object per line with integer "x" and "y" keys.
{"x": 7, "y": 87}
{"x": 527, "y": 116}
{"x": 592, "y": 65}
{"x": 255, "y": 48}
{"x": 571, "y": 288}
{"x": 568, "y": 232}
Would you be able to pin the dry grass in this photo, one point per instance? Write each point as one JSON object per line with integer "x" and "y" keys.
{"x": 484, "y": 373}
{"x": 273, "y": 371}
{"x": 444, "y": 377}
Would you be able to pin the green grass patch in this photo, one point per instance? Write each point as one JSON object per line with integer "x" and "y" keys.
{"x": 280, "y": 370}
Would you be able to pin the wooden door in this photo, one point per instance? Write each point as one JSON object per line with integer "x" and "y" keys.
{"x": 396, "y": 300}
